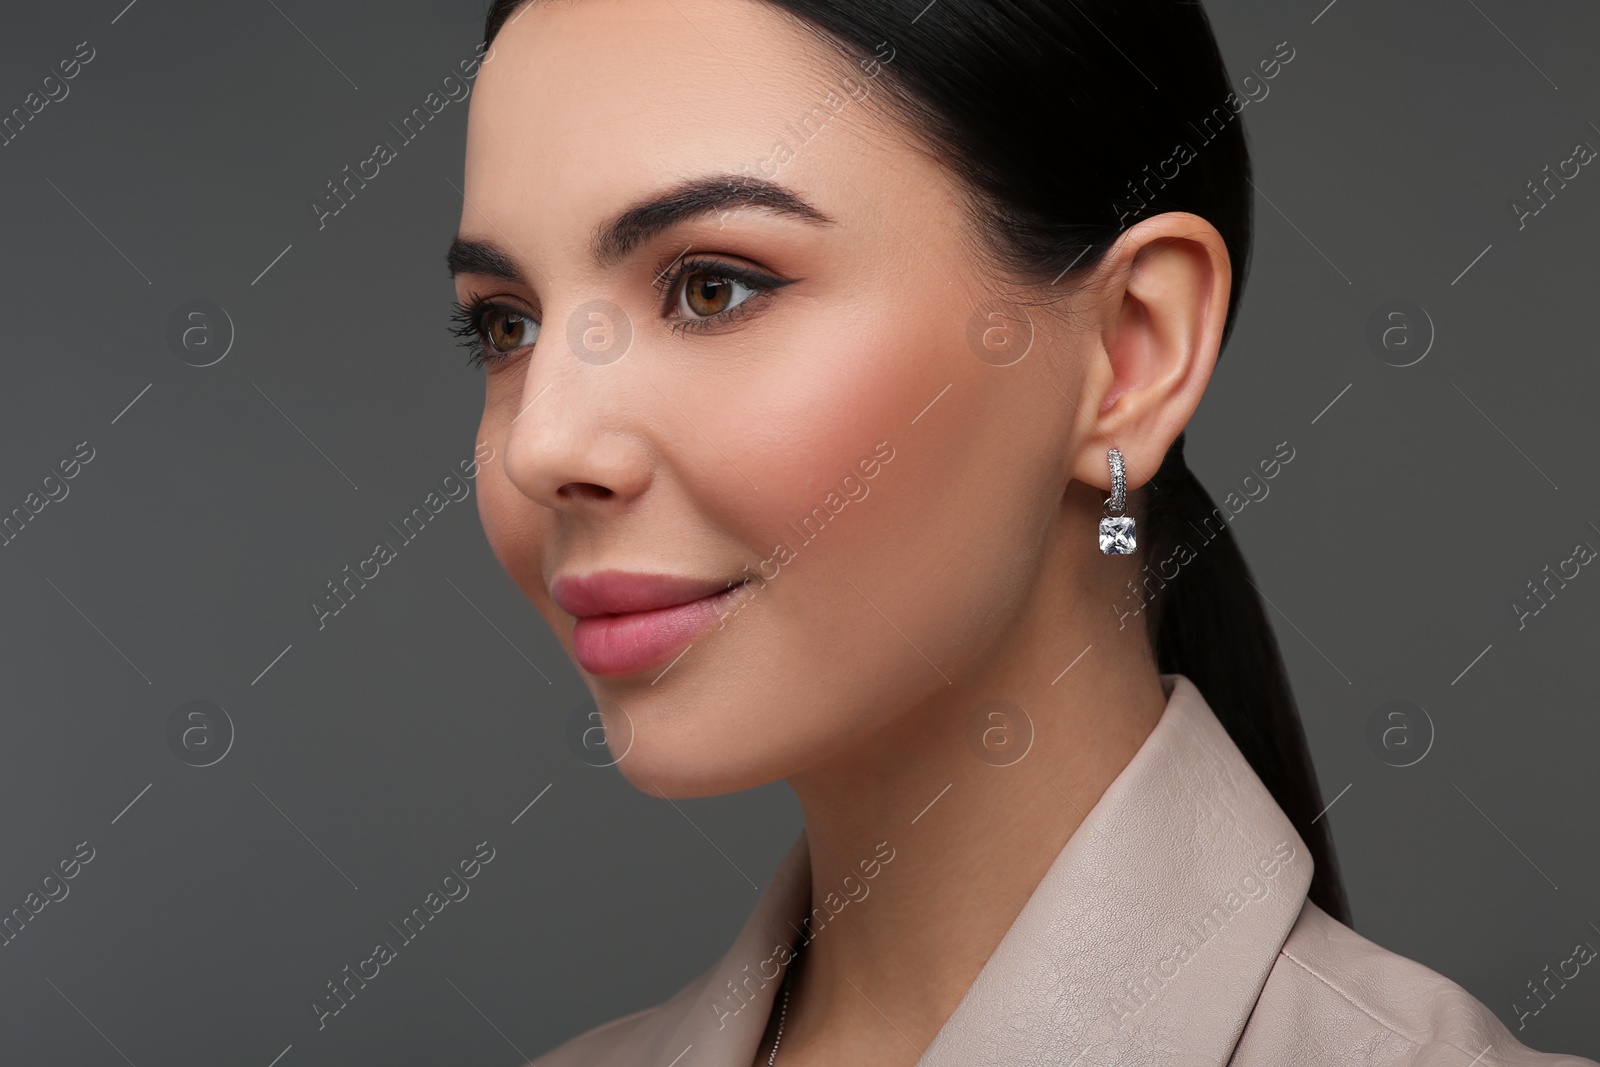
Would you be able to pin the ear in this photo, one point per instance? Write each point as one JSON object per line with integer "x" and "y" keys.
{"x": 1164, "y": 301}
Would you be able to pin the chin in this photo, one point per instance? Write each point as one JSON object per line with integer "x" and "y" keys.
{"x": 692, "y": 766}
{"x": 689, "y": 741}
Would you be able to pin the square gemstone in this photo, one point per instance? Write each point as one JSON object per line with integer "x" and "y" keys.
{"x": 1116, "y": 535}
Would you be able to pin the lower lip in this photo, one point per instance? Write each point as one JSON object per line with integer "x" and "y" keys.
{"x": 622, "y": 644}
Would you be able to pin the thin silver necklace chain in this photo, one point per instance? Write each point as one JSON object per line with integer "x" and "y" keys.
{"x": 783, "y": 1013}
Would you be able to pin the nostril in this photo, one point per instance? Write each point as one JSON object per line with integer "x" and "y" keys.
{"x": 584, "y": 491}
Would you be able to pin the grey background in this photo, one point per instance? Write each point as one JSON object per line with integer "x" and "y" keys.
{"x": 428, "y": 714}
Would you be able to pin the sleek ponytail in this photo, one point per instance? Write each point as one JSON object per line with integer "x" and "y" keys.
{"x": 1207, "y": 623}
{"x": 1065, "y": 123}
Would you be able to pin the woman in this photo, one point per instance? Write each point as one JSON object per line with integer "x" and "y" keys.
{"x": 839, "y": 354}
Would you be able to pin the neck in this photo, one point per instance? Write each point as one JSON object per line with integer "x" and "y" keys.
{"x": 927, "y": 838}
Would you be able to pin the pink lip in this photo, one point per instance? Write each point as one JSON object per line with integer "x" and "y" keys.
{"x": 627, "y": 622}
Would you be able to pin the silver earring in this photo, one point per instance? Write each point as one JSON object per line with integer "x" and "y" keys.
{"x": 1116, "y": 526}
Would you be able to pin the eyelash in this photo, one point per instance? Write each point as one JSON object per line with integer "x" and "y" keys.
{"x": 469, "y": 320}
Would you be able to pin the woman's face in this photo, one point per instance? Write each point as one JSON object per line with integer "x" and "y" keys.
{"x": 797, "y": 383}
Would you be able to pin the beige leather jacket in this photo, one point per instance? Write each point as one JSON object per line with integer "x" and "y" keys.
{"x": 1172, "y": 929}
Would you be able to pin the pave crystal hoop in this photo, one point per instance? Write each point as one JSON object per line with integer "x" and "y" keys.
{"x": 1116, "y": 525}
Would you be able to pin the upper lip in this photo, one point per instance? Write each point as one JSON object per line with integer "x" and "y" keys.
{"x": 621, "y": 592}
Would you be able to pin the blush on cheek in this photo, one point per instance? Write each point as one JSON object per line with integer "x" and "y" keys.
{"x": 512, "y": 528}
{"x": 490, "y": 512}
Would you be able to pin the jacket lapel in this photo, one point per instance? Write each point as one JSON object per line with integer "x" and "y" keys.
{"x": 1147, "y": 941}
{"x": 1152, "y": 933}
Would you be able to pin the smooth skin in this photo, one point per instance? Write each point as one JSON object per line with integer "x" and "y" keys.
{"x": 970, "y": 573}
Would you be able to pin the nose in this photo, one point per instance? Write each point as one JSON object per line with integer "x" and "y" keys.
{"x": 574, "y": 436}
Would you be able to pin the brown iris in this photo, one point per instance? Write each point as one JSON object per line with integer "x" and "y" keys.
{"x": 505, "y": 330}
{"x": 707, "y": 294}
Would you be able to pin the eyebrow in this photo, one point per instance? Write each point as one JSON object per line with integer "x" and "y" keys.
{"x": 635, "y": 225}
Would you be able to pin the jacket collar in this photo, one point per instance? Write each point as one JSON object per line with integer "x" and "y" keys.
{"x": 1148, "y": 939}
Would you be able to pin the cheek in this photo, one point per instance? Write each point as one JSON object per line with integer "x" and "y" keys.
{"x": 893, "y": 592}
{"x": 911, "y": 583}
{"x": 810, "y": 407}
{"x": 512, "y": 526}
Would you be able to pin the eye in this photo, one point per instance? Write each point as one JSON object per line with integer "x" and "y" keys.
{"x": 492, "y": 331}
{"x": 506, "y": 331}
{"x": 704, "y": 294}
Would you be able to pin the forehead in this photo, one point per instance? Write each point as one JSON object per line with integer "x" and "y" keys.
{"x": 583, "y": 105}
